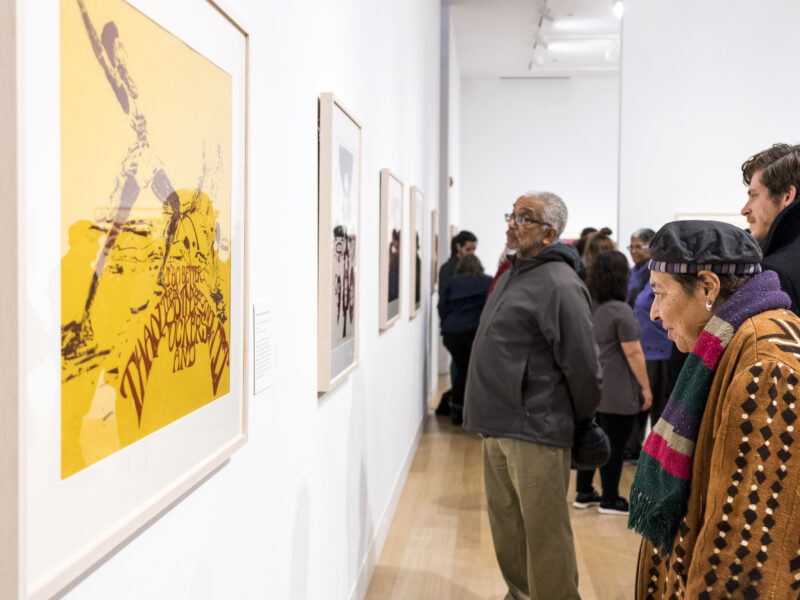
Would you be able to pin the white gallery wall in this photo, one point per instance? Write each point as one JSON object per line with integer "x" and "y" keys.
{"x": 453, "y": 178}
{"x": 449, "y": 167}
{"x": 705, "y": 85}
{"x": 558, "y": 135}
{"x": 301, "y": 511}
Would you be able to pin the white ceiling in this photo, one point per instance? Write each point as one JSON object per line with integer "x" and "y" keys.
{"x": 495, "y": 38}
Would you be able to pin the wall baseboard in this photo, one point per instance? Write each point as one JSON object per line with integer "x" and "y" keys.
{"x": 359, "y": 589}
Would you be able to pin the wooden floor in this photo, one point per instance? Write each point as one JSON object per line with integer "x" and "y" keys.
{"x": 439, "y": 545}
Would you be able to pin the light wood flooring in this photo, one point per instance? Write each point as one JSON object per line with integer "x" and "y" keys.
{"x": 440, "y": 547}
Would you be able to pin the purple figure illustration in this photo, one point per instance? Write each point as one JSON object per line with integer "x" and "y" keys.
{"x": 141, "y": 170}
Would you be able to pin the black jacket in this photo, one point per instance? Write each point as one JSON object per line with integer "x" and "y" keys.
{"x": 461, "y": 303}
{"x": 782, "y": 251}
{"x": 534, "y": 369}
{"x": 446, "y": 273}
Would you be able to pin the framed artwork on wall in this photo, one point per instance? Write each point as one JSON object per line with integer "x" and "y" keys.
{"x": 390, "y": 248}
{"x": 434, "y": 251}
{"x": 415, "y": 251}
{"x": 133, "y": 340}
{"x": 339, "y": 239}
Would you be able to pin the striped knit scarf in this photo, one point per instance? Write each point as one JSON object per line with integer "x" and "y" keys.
{"x": 660, "y": 490}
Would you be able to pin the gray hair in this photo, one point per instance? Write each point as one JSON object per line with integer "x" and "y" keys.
{"x": 644, "y": 234}
{"x": 555, "y": 211}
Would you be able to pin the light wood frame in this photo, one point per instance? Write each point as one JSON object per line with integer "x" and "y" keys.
{"x": 434, "y": 251}
{"x": 329, "y": 373}
{"x": 11, "y": 507}
{"x": 16, "y": 492}
{"x": 416, "y": 226}
{"x": 387, "y": 319}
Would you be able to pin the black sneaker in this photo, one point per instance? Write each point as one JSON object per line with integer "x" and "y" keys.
{"x": 444, "y": 404}
{"x": 631, "y": 456}
{"x": 614, "y": 507}
{"x": 587, "y": 500}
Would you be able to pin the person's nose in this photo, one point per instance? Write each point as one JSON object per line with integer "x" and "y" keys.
{"x": 654, "y": 316}
{"x": 745, "y": 209}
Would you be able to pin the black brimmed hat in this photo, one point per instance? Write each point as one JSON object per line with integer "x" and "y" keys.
{"x": 692, "y": 246}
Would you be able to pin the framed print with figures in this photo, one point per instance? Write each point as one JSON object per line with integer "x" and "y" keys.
{"x": 415, "y": 251}
{"x": 339, "y": 239}
{"x": 391, "y": 235}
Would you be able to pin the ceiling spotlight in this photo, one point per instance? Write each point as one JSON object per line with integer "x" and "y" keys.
{"x": 617, "y": 8}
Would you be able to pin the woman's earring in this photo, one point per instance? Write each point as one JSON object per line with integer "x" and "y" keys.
{"x": 709, "y": 304}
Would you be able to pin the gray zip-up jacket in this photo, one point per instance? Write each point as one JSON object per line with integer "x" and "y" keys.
{"x": 534, "y": 369}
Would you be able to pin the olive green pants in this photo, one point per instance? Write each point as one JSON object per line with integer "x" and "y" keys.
{"x": 526, "y": 490}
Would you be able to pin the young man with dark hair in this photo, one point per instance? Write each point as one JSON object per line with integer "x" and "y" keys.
{"x": 462, "y": 244}
{"x": 773, "y": 180}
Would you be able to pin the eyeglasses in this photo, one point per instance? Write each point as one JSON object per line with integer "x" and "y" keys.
{"x": 644, "y": 247}
{"x": 519, "y": 220}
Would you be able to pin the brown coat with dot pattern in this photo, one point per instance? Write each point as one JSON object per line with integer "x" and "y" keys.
{"x": 740, "y": 537}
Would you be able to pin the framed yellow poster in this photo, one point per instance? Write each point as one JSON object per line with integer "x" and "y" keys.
{"x": 133, "y": 250}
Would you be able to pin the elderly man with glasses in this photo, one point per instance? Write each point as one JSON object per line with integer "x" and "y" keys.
{"x": 534, "y": 373}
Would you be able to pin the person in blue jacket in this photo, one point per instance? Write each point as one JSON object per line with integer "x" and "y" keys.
{"x": 460, "y": 307}
{"x": 657, "y": 346}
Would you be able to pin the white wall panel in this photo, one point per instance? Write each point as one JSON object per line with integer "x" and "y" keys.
{"x": 705, "y": 85}
{"x": 547, "y": 135}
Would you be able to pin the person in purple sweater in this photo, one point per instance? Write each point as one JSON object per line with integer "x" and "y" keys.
{"x": 655, "y": 343}
{"x": 460, "y": 307}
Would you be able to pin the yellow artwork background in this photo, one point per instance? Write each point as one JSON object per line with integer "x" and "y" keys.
{"x": 186, "y": 100}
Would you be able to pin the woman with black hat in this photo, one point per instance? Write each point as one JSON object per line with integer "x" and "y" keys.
{"x": 716, "y": 489}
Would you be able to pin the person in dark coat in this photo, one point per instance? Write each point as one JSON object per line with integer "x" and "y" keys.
{"x": 772, "y": 210}
{"x": 462, "y": 244}
{"x": 460, "y": 307}
{"x": 533, "y": 375}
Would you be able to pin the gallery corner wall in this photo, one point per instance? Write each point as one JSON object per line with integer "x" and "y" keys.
{"x": 449, "y": 164}
{"x": 303, "y": 508}
{"x": 517, "y": 135}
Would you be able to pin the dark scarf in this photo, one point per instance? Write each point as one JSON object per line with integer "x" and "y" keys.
{"x": 660, "y": 490}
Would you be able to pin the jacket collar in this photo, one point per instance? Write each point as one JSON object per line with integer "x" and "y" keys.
{"x": 557, "y": 252}
{"x": 784, "y": 230}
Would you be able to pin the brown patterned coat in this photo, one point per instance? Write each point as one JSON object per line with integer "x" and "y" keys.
{"x": 741, "y": 535}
